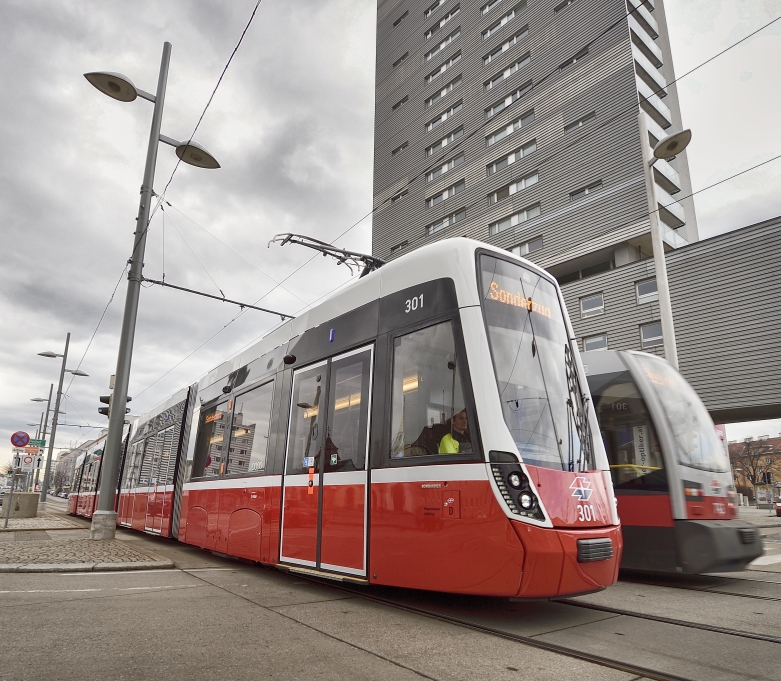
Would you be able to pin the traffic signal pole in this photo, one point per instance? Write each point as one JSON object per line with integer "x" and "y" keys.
{"x": 104, "y": 520}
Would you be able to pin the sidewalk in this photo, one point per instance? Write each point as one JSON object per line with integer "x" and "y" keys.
{"x": 761, "y": 517}
{"x": 54, "y": 542}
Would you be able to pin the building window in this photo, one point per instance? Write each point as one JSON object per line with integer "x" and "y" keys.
{"x": 400, "y": 59}
{"x": 585, "y": 191}
{"x": 444, "y": 20}
{"x": 400, "y": 19}
{"x": 433, "y": 8}
{"x": 401, "y": 102}
{"x": 651, "y": 335}
{"x": 398, "y": 247}
{"x": 506, "y": 45}
{"x": 580, "y": 122}
{"x": 400, "y": 148}
{"x": 446, "y": 167}
{"x": 574, "y": 59}
{"x": 511, "y": 189}
{"x": 442, "y": 143}
{"x": 595, "y": 343}
{"x": 502, "y": 104}
{"x": 509, "y": 71}
{"x": 452, "y": 111}
{"x": 447, "y": 41}
{"x": 646, "y": 291}
{"x": 489, "y": 6}
{"x": 592, "y": 306}
{"x": 511, "y": 158}
{"x": 446, "y": 221}
{"x": 452, "y": 85}
{"x": 436, "y": 73}
{"x": 527, "y": 247}
{"x": 494, "y": 27}
{"x": 514, "y": 219}
{"x": 510, "y": 128}
{"x": 562, "y": 5}
{"x": 452, "y": 190}
{"x": 400, "y": 195}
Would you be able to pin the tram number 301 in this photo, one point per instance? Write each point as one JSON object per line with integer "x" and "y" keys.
{"x": 586, "y": 513}
{"x": 414, "y": 303}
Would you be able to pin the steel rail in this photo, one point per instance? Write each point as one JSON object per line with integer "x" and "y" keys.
{"x": 669, "y": 620}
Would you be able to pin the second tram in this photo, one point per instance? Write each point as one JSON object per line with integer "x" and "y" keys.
{"x": 671, "y": 475}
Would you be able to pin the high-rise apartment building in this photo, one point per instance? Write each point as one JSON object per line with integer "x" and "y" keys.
{"x": 516, "y": 122}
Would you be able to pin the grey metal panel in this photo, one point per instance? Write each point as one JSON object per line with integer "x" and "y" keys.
{"x": 727, "y": 308}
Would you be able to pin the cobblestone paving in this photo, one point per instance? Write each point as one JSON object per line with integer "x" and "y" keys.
{"x": 45, "y": 521}
{"x": 73, "y": 551}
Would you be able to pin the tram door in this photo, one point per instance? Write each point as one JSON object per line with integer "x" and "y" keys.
{"x": 324, "y": 502}
{"x": 155, "y": 504}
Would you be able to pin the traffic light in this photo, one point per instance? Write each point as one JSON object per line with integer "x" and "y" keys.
{"x": 107, "y": 399}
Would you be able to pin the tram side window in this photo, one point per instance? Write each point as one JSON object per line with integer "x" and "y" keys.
{"x": 211, "y": 447}
{"x": 147, "y": 460}
{"x": 165, "y": 475}
{"x": 428, "y": 413}
{"x": 250, "y": 431}
{"x": 636, "y": 461}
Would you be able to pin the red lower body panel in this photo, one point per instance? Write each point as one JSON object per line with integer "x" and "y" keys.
{"x": 342, "y": 533}
{"x": 552, "y": 567}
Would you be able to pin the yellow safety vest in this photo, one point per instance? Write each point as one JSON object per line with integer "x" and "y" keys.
{"x": 448, "y": 445}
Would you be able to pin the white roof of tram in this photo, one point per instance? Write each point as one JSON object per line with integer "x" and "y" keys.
{"x": 452, "y": 258}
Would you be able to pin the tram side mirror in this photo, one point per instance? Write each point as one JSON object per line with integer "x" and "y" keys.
{"x": 289, "y": 359}
{"x": 226, "y": 389}
{"x": 451, "y": 365}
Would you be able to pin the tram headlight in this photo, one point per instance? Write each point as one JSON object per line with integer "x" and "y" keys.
{"x": 526, "y": 500}
{"x": 515, "y": 481}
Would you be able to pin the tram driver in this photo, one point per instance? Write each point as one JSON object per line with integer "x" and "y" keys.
{"x": 458, "y": 439}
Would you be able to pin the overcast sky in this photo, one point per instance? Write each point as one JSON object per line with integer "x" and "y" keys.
{"x": 292, "y": 126}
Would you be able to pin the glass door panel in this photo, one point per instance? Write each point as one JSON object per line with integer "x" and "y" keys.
{"x": 343, "y": 513}
{"x": 301, "y": 487}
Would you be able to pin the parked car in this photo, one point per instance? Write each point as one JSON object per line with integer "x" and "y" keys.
{"x": 778, "y": 508}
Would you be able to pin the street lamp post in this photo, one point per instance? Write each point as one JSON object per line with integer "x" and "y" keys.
{"x": 58, "y": 399}
{"x": 664, "y": 149}
{"x": 120, "y": 87}
{"x": 41, "y": 434}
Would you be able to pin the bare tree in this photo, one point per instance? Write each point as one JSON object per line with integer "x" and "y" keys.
{"x": 753, "y": 460}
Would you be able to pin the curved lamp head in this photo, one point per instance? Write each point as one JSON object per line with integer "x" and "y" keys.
{"x": 115, "y": 85}
{"x": 673, "y": 145}
{"x": 38, "y": 399}
{"x": 195, "y": 155}
{"x": 77, "y": 372}
{"x": 49, "y": 353}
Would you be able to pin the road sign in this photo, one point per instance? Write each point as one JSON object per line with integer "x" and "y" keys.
{"x": 20, "y": 439}
{"x": 32, "y": 450}
{"x": 27, "y": 462}
{"x": 38, "y": 443}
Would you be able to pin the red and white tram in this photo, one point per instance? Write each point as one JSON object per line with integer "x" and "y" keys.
{"x": 671, "y": 475}
{"x": 82, "y": 499}
{"x": 427, "y": 426}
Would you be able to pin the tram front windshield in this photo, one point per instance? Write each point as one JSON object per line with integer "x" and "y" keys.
{"x": 542, "y": 400}
{"x": 636, "y": 461}
{"x": 692, "y": 428}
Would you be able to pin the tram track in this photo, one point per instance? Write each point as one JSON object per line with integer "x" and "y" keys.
{"x": 670, "y": 620}
{"x": 710, "y": 590}
{"x": 638, "y": 670}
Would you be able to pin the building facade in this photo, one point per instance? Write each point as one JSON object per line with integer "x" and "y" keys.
{"x": 516, "y": 122}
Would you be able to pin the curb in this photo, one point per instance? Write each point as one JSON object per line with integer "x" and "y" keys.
{"x": 87, "y": 567}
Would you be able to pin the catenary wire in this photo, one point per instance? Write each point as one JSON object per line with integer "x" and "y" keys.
{"x": 233, "y": 250}
{"x": 195, "y": 255}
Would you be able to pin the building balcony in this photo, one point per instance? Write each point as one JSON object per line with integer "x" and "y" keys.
{"x": 670, "y": 211}
{"x": 653, "y": 105}
{"x": 644, "y": 42}
{"x": 667, "y": 177}
{"x": 644, "y": 18}
{"x": 672, "y": 238}
{"x": 649, "y": 73}
{"x": 655, "y": 131}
